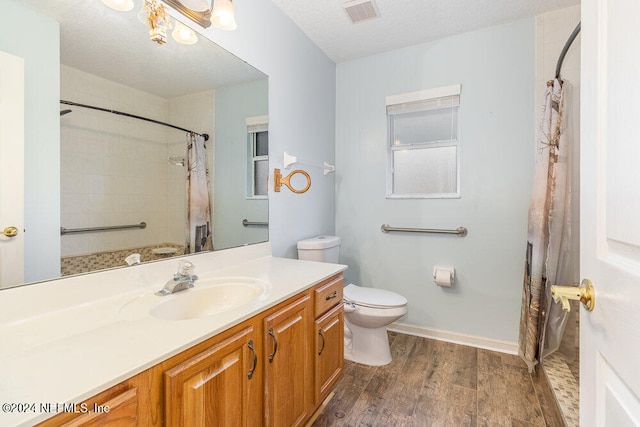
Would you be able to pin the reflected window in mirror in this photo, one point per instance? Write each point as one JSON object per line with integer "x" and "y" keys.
{"x": 258, "y": 161}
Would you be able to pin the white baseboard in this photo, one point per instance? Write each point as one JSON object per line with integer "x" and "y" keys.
{"x": 455, "y": 337}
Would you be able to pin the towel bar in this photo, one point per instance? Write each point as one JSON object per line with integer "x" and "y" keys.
{"x": 247, "y": 223}
{"x": 64, "y": 231}
{"x": 460, "y": 231}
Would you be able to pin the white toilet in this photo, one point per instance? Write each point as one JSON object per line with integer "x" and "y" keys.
{"x": 368, "y": 311}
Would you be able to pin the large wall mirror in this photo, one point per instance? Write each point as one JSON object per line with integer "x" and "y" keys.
{"x": 111, "y": 170}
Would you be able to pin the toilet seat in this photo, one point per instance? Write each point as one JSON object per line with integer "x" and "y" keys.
{"x": 371, "y": 297}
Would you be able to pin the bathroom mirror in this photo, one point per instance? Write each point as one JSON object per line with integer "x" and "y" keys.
{"x": 115, "y": 170}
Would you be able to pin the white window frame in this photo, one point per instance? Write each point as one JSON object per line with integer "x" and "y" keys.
{"x": 254, "y": 125}
{"x": 422, "y": 96}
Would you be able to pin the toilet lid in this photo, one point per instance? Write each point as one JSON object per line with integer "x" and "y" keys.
{"x": 371, "y": 297}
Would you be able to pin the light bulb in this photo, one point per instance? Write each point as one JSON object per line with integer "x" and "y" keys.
{"x": 226, "y": 19}
{"x": 223, "y": 15}
{"x": 183, "y": 34}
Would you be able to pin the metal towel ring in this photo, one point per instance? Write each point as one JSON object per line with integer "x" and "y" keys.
{"x": 279, "y": 181}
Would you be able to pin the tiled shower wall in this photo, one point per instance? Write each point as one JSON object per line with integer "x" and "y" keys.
{"x": 115, "y": 169}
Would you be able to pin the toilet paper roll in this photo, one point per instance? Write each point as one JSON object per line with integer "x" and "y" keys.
{"x": 443, "y": 276}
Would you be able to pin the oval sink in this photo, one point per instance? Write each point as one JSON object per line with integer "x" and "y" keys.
{"x": 209, "y": 297}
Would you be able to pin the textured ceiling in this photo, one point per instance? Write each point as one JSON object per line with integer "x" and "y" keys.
{"x": 403, "y": 22}
{"x": 116, "y": 46}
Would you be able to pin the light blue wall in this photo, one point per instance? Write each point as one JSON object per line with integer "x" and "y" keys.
{"x": 302, "y": 93}
{"x": 496, "y": 69}
{"x": 233, "y": 105}
{"x": 39, "y": 45}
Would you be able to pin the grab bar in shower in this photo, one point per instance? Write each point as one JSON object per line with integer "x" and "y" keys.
{"x": 247, "y": 223}
{"x": 460, "y": 231}
{"x": 64, "y": 231}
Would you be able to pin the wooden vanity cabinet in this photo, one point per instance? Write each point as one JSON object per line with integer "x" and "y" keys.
{"x": 219, "y": 386}
{"x": 287, "y": 364}
{"x": 274, "y": 369}
{"x": 329, "y": 336}
{"x": 303, "y": 353}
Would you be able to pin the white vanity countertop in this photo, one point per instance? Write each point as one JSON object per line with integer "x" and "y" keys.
{"x": 56, "y": 351}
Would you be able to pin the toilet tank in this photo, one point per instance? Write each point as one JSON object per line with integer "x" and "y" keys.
{"x": 320, "y": 248}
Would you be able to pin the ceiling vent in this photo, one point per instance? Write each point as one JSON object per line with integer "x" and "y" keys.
{"x": 360, "y": 10}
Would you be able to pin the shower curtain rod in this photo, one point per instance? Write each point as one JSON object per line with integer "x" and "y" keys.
{"x": 566, "y": 47}
{"x": 120, "y": 113}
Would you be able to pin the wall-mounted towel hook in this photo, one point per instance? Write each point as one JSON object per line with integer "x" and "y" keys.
{"x": 279, "y": 181}
{"x": 289, "y": 160}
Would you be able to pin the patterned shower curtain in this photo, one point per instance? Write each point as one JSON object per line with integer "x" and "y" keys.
{"x": 550, "y": 256}
{"x": 198, "y": 226}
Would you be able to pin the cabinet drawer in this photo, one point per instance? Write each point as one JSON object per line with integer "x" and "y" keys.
{"x": 328, "y": 295}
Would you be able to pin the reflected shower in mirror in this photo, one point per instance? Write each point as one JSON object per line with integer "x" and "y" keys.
{"x": 117, "y": 170}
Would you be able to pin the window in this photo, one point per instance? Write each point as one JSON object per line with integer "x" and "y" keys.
{"x": 423, "y": 148}
{"x": 258, "y": 159}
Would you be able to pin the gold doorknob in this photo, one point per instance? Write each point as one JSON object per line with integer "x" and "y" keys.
{"x": 584, "y": 293}
{"x": 10, "y": 232}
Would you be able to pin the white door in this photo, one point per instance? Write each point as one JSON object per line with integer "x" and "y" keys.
{"x": 11, "y": 169}
{"x": 610, "y": 212}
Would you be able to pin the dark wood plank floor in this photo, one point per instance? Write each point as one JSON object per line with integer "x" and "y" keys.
{"x": 434, "y": 383}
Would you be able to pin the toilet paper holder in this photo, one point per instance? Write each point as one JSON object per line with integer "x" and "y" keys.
{"x": 443, "y": 276}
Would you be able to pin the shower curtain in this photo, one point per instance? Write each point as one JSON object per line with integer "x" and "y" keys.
{"x": 198, "y": 222}
{"x": 551, "y": 259}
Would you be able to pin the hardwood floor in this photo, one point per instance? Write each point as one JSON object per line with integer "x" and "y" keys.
{"x": 434, "y": 383}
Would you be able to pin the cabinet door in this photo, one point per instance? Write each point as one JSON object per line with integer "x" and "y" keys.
{"x": 329, "y": 353}
{"x": 215, "y": 387}
{"x": 120, "y": 410}
{"x": 288, "y": 373}
{"x": 125, "y": 404}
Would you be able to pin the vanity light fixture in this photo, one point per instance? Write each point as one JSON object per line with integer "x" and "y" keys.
{"x": 220, "y": 13}
{"x": 158, "y": 21}
{"x": 121, "y": 5}
{"x": 183, "y": 34}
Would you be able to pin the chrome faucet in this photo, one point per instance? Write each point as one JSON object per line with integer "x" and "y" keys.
{"x": 182, "y": 280}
